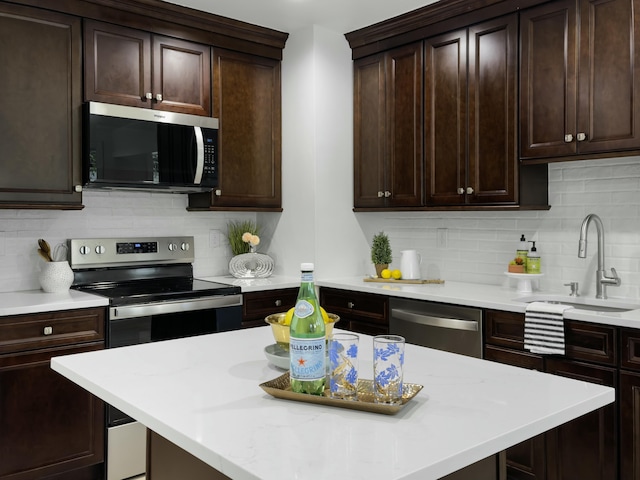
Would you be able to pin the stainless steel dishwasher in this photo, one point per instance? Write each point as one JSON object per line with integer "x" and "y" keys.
{"x": 451, "y": 328}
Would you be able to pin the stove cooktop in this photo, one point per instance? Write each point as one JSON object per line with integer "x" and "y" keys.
{"x": 156, "y": 290}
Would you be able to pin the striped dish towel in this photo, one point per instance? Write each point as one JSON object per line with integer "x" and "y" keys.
{"x": 544, "y": 327}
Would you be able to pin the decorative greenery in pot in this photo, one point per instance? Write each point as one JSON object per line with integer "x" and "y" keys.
{"x": 236, "y": 230}
{"x": 381, "y": 252}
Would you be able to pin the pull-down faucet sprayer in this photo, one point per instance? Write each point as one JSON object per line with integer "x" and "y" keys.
{"x": 601, "y": 278}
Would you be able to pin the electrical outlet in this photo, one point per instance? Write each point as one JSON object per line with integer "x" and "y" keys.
{"x": 442, "y": 237}
{"x": 214, "y": 238}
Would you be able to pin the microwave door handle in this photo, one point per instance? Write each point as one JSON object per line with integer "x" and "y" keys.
{"x": 199, "y": 156}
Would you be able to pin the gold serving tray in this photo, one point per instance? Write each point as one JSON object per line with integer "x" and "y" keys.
{"x": 280, "y": 388}
{"x": 393, "y": 280}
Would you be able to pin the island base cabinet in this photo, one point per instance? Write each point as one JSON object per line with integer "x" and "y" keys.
{"x": 167, "y": 461}
{"x": 629, "y": 425}
{"x": 49, "y": 426}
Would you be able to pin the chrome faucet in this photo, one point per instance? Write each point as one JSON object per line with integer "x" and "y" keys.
{"x": 601, "y": 278}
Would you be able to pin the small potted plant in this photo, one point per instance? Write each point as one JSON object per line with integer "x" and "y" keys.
{"x": 381, "y": 252}
{"x": 238, "y": 240}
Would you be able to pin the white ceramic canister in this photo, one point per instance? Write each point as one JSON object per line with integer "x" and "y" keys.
{"x": 55, "y": 277}
{"x": 410, "y": 264}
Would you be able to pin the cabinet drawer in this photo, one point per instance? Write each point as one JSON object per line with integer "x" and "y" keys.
{"x": 28, "y": 332}
{"x": 257, "y": 305}
{"x": 590, "y": 342}
{"x": 518, "y": 359}
{"x": 504, "y": 329}
{"x": 363, "y": 307}
{"x": 630, "y": 348}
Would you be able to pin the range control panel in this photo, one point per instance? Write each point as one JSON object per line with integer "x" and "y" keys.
{"x": 113, "y": 252}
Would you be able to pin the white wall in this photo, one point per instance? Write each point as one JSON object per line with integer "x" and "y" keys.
{"x": 318, "y": 223}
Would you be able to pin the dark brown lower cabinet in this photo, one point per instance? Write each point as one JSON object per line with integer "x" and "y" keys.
{"x": 586, "y": 448}
{"x": 258, "y": 305}
{"x": 629, "y": 425}
{"x": 359, "y": 312}
{"x": 49, "y": 426}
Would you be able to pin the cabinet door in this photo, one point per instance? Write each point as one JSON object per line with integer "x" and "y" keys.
{"x": 587, "y": 447}
{"x": 48, "y": 424}
{"x": 117, "y": 64}
{"x": 40, "y": 108}
{"x": 403, "y": 133}
{"x": 182, "y": 76}
{"x": 369, "y": 110}
{"x": 445, "y": 118}
{"x": 493, "y": 142}
{"x": 548, "y": 79}
{"x": 609, "y": 90}
{"x": 258, "y": 305}
{"x": 246, "y": 99}
{"x": 629, "y": 425}
{"x": 526, "y": 460}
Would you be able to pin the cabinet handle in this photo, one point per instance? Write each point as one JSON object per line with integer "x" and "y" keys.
{"x": 387, "y": 194}
{"x": 380, "y": 194}
{"x": 77, "y": 188}
{"x": 350, "y": 304}
{"x": 278, "y": 303}
{"x": 469, "y": 190}
{"x": 159, "y": 97}
{"x": 460, "y": 190}
{"x": 568, "y": 138}
{"x": 581, "y": 137}
{"x": 148, "y": 96}
{"x": 218, "y": 192}
{"x": 48, "y": 330}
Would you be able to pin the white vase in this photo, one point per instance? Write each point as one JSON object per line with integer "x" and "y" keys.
{"x": 55, "y": 277}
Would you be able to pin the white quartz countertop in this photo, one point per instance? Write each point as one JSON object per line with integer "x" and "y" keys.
{"x": 273, "y": 282}
{"x": 37, "y": 301}
{"x": 202, "y": 393}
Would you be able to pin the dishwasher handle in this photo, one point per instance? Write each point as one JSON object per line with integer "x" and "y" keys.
{"x": 442, "y": 322}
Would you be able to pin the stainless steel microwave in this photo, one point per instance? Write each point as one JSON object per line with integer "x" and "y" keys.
{"x": 142, "y": 149}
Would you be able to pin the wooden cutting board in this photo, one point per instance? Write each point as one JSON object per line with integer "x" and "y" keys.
{"x": 393, "y": 280}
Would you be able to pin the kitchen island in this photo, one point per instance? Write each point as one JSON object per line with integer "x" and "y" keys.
{"x": 203, "y": 395}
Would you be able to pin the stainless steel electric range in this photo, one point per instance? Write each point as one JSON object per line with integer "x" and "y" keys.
{"x": 152, "y": 297}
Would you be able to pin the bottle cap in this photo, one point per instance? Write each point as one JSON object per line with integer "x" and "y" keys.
{"x": 306, "y": 267}
{"x": 533, "y": 247}
{"x": 522, "y": 239}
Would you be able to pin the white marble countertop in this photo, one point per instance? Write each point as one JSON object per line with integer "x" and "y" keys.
{"x": 257, "y": 284}
{"x": 38, "y": 301}
{"x": 202, "y": 393}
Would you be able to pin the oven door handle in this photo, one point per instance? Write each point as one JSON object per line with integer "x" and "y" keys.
{"x": 429, "y": 320}
{"x": 176, "y": 306}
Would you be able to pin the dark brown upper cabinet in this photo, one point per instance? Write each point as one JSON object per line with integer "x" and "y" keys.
{"x": 388, "y": 160}
{"x": 247, "y": 100}
{"x": 470, "y": 115}
{"x": 126, "y": 66}
{"x": 40, "y": 108}
{"x": 580, "y": 95}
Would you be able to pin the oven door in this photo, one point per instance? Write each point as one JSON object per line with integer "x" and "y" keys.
{"x": 151, "y": 322}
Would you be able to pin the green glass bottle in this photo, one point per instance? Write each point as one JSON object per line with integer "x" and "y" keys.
{"x": 307, "y": 346}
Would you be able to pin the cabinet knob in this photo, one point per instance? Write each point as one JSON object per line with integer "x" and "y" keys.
{"x": 218, "y": 192}
{"x": 350, "y": 304}
{"x": 148, "y": 96}
{"x": 581, "y": 137}
{"x": 159, "y": 97}
{"x": 387, "y": 194}
{"x": 278, "y": 303}
{"x": 460, "y": 190}
{"x": 48, "y": 330}
{"x": 380, "y": 194}
{"x": 568, "y": 138}
{"x": 469, "y": 190}
{"x": 77, "y": 188}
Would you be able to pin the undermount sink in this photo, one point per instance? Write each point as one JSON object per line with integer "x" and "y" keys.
{"x": 583, "y": 303}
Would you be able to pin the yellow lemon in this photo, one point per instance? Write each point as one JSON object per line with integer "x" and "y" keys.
{"x": 288, "y": 317}
{"x": 325, "y": 317}
{"x": 386, "y": 273}
{"x": 397, "y": 274}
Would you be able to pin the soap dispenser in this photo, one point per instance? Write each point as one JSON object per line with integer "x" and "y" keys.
{"x": 533, "y": 260}
{"x": 523, "y": 250}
